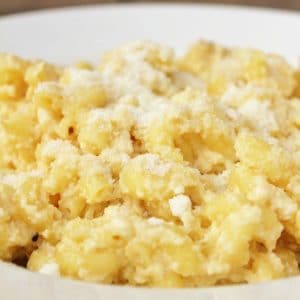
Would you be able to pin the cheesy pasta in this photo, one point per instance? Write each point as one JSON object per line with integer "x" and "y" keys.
{"x": 152, "y": 170}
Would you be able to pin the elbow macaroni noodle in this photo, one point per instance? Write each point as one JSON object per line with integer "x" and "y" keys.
{"x": 152, "y": 170}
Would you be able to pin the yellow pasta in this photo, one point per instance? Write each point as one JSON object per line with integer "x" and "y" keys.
{"x": 152, "y": 170}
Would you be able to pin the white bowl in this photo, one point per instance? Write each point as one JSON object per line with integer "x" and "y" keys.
{"x": 66, "y": 35}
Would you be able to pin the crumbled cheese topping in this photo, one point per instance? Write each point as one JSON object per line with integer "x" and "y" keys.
{"x": 260, "y": 115}
{"x": 49, "y": 269}
{"x": 154, "y": 166}
{"x": 179, "y": 205}
{"x": 155, "y": 221}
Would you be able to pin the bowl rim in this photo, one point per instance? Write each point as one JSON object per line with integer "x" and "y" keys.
{"x": 152, "y": 5}
{"x": 187, "y": 291}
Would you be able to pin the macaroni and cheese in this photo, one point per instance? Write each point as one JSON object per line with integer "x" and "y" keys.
{"x": 152, "y": 170}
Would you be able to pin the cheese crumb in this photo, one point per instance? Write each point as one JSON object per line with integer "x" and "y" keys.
{"x": 155, "y": 221}
{"x": 49, "y": 269}
{"x": 179, "y": 205}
